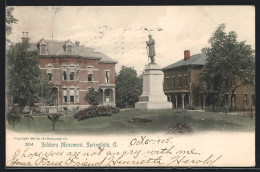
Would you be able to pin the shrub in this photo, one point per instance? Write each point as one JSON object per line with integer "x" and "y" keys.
{"x": 95, "y": 111}
{"x": 13, "y": 116}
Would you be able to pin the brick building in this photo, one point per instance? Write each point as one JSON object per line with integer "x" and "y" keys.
{"x": 183, "y": 86}
{"x": 73, "y": 69}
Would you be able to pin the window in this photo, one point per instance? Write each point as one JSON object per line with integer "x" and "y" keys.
{"x": 180, "y": 81}
{"x": 43, "y": 49}
{"x": 49, "y": 76}
{"x": 107, "y": 76}
{"x": 72, "y": 76}
{"x": 173, "y": 82}
{"x": 185, "y": 80}
{"x": 71, "y": 98}
{"x": 64, "y": 76}
{"x": 245, "y": 99}
{"x": 90, "y": 77}
{"x": 72, "y": 95}
{"x": 69, "y": 48}
{"x": 65, "y": 99}
{"x": 167, "y": 82}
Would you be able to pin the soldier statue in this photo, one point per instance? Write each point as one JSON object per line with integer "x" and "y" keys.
{"x": 151, "y": 52}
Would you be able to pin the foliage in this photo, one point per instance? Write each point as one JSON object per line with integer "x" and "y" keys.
{"x": 9, "y": 21}
{"x": 128, "y": 87}
{"x": 94, "y": 111}
{"x": 93, "y": 97}
{"x": 228, "y": 60}
{"x": 45, "y": 92}
{"x": 13, "y": 116}
{"x": 23, "y": 73}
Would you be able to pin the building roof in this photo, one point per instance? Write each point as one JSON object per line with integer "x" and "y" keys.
{"x": 58, "y": 49}
{"x": 197, "y": 59}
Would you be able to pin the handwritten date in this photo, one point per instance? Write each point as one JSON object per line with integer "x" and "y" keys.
{"x": 145, "y": 141}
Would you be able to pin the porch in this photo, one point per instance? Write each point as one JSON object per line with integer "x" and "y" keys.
{"x": 107, "y": 93}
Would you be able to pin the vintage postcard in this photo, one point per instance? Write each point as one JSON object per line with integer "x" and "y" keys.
{"x": 130, "y": 86}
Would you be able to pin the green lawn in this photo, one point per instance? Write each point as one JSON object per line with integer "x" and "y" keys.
{"x": 121, "y": 123}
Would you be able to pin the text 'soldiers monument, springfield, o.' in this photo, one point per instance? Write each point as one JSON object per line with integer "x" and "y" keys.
{"x": 152, "y": 96}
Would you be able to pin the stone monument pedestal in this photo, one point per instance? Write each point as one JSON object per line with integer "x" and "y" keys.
{"x": 153, "y": 96}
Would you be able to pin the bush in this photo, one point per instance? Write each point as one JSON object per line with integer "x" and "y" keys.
{"x": 13, "y": 116}
{"x": 94, "y": 111}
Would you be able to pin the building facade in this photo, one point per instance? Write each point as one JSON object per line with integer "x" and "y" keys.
{"x": 183, "y": 86}
{"x": 74, "y": 69}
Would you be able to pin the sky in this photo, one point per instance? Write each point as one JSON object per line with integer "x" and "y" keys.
{"x": 121, "y": 32}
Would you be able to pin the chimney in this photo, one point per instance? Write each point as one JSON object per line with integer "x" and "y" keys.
{"x": 77, "y": 43}
{"x": 186, "y": 55}
{"x": 25, "y": 37}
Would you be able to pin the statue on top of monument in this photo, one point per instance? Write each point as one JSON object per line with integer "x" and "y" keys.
{"x": 151, "y": 52}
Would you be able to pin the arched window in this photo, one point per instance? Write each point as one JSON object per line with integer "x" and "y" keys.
{"x": 64, "y": 76}
{"x": 72, "y": 76}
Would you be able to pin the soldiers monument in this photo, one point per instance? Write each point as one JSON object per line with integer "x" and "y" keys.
{"x": 152, "y": 96}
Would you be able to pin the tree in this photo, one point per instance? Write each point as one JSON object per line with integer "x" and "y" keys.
{"x": 93, "y": 97}
{"x": 45, "y": 92}
{"x": 23, "y": 73}
{"x": 128, "y": 87}
{"x": 54, "y": 118}
{"x": 9, "y": 20}
{"x": 228, "y": 61}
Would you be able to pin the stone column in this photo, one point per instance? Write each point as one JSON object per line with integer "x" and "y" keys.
{"x": 68, "y": 95}
{"x": 114, "y": 97}
{"x": 104, "y": 98}
{"x": 77, "y": 75}
{"x": 110, "y": 96}
{"x": 176, "y": 101}
{"x": 67, "y": 75}
{"x": 189, "y": 100}
{"x": 182, "y": 100}
{"x": 75, "y": 95}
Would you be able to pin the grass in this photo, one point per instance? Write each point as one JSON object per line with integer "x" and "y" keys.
{"x": 120, "y": 123}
